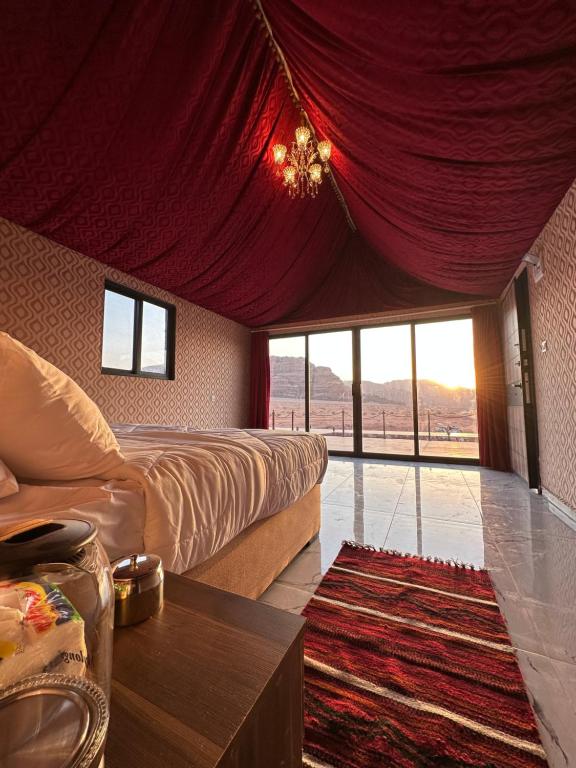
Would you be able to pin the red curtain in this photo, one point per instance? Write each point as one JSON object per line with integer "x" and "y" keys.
{"x": 491, "y": 389}
{"x": 259, "y": 381}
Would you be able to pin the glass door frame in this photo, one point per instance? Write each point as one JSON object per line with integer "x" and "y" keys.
{"x": 358, "y": 451}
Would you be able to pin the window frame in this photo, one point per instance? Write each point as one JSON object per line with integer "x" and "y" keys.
{"x": 358, "y": 451}
{"x": 139, "y": 298}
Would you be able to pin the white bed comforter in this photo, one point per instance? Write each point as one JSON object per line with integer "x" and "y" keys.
{"x": 116, "y": 506}
{"x": 182, "y": 494}
{"x": 202, "y": 489}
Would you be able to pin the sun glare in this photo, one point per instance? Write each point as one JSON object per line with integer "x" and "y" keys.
{"x": 444, "y": 353}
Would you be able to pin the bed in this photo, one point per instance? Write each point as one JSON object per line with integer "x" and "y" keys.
{"x": 230, "y": 507}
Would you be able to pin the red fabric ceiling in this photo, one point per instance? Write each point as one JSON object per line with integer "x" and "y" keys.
{"x": 139, "y": 131}
{"x": 454, "y": 123}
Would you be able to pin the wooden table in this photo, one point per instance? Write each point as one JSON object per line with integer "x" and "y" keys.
{"x": 212, "y": 680}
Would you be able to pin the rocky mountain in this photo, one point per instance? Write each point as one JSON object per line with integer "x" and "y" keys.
{"x": 287, "y": 375}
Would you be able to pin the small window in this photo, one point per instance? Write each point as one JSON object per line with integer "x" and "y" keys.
{"x": 138, "y": 334}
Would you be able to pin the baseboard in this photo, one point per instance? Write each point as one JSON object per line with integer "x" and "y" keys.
{"x": 561, "y": 510}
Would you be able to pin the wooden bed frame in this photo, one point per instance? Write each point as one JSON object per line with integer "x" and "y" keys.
{"x": 250, "y": 562}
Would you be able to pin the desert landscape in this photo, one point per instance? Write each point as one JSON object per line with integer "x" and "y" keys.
{"x": 447, "y": 416}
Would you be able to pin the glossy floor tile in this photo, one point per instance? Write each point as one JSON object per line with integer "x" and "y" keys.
{"x": 472, "y": 515}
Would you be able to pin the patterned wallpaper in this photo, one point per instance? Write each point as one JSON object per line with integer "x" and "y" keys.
{"x": 51, "y": 299}
{"x": 553, "y": 310}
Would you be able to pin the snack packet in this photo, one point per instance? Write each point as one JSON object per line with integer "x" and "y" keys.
{"x": 40, "y": 631}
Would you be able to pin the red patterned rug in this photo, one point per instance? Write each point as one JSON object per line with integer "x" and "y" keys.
{"x": 408, "y": 663}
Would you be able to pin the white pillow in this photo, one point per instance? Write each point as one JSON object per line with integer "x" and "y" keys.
{"x": 49, "y": 428}
{"x": 8, "y": 484}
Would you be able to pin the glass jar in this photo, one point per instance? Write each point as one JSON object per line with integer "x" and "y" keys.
{"x": 56, "y": 604}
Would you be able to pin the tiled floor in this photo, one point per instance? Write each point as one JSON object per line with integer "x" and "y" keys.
{"x": 476, "y": 516}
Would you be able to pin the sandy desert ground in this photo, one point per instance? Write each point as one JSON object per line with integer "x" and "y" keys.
{"x": 334, "y": 420}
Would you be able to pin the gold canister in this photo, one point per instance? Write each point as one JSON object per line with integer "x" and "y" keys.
{"x": 138, "y": 588}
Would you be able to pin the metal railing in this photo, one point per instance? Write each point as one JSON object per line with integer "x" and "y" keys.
{"x": 276, "y": 420}
{"x": 340, "y": 422}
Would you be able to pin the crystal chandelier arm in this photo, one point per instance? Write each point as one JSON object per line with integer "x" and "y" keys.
{"x": 312, "y": 156}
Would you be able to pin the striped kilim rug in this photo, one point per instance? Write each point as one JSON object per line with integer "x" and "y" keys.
{"x": 408, "y": 663}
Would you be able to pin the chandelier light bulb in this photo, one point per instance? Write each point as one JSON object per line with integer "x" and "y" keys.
{"x": 324, "y": 150}
{"x": 315, "y": 171}
{"x": 302, "y": 136}
{"x": 279, "y": 151}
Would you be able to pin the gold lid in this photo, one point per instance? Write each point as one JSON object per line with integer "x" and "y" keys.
{"x": 136, "y": 573}
{"x": 136, "y": 567}
{"x": 138, "y": 588}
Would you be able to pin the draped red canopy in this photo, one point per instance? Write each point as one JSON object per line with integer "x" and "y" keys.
{"x": 454, "y": 123}
{"x": 139, "y": 132}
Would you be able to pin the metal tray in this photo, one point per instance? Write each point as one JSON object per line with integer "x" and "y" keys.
{"x": 52, "y": 721}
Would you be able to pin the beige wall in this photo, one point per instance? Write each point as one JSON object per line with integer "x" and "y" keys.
{"x": 553, "y": 311}
{"x": 51, "y": 299}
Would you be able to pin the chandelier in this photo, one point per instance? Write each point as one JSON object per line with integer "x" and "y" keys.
{"x": 302, "y": 167}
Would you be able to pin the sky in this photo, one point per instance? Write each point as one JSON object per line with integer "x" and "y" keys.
{"x": 118, "y": 330}
{"x": 444, "y": 352}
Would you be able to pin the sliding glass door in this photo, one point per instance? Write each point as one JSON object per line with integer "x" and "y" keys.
{"x": 446, "y": 386}
{"x": 387, "y": 392}
{"x": 288, "y": 383}
{"x": 331, "y": 412}
{"x": 405, "y": 390}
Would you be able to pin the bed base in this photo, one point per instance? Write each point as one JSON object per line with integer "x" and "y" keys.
{"x": 250, "y": 562}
